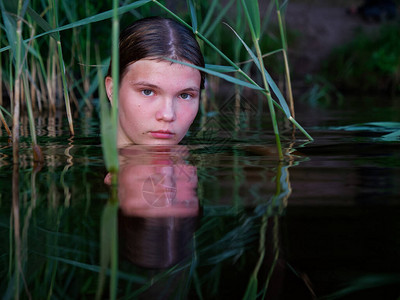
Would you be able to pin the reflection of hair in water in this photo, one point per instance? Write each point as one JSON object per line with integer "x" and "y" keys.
{"x": 156, "y": 243}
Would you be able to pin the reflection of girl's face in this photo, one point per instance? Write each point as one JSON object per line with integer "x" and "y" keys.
{"x": 157, "y": 185}
{"x": 158, "y": 101}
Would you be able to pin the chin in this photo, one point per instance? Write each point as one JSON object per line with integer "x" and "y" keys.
{"x": 164, "y": 142}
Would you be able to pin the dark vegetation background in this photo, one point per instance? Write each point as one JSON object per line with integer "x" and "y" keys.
{"x": 333, "y": 49}
{"x": 353, "y": 54}
{"x": 330, "y": 51}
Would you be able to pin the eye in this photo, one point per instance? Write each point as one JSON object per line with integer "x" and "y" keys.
{"x": 185, "y": 96}
{"x": 147, "y": 92}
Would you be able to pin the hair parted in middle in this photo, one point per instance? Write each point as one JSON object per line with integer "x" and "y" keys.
{"x": 158, "y": 38}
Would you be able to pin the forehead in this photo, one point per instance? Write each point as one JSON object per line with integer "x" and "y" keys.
{"x": 155, "y": 69}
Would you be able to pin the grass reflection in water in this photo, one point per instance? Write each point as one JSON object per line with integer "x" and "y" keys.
{"x": 234, "y": 224}
{"x": 52, "y": 246}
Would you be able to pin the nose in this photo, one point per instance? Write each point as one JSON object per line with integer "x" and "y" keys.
{"x": 166, "y": 110}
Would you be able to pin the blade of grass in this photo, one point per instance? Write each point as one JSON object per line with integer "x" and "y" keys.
{"x": 3, "y": 121}
{"x": 252, "y": 13}
{"x": 54, "y": 10}
{"x": 365, "y": 282}
{"x": 207, "y": 19}
{"x": 1, "y": 74}
{"x": 251, "y": 291}
{"x": 115, "y": 73}
{"x": 17, "y": 86}
{"x": 283, "y": 105}
{"x": 41, "y": 22}
{"x": 107, "y": 127}
{"x": 218, "y": 19}
{"x": 239, "y": 24}
{"x": 115, "y": 65}
{"x": 109, "y": 123}
{"x": 221, "y": 75}
{"x": 219, "y": 68}
{"x": 285, "y": 57}
{"x": 37, "y": 152}
{"x": 92, "y": 19}
{"x": 270, "y": 81}
{"x": 108, "y": 225}
{"x": 5, "y": 111}
{"x": 14, "y": 36}
{"x": 193, "y": 16}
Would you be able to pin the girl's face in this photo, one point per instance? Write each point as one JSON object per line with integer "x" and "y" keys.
{"x": 158, "y": 101}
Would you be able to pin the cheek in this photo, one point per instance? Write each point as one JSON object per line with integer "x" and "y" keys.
{"x": 188, "y": 115}
{"x": 131, "y": 112}
{"x": 195, "y": 111}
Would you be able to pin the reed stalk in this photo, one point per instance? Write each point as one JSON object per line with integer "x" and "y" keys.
{"x": 270, "y": 103}
{"x": 115, "y": 64}
{"x": 42, "y": 91}
{"x": 3, "y": 121}
{"x": 54, "y": 8}
{"x": 42, "y": 94}
{"x": 11, "y": 81}
{"x": 16, "y": 228}
{"x": 282, "y": 192}
{"x": 50, "y": 71}
{"x": 1, "y": 73}
{"x": 109, "y": 124}
{"x": 37, "y": 152}
{"x": 32, "y": 91}
{"x": 252, "y": 286}
{"x": 17, "y": 86}
{"x": 86, "y": 82}
{"x": 254, "y": 24}
{"x": 276, "y": 254}
{"x": 114, "y": 119}
{"x": 109, "y": 117}
{"x": 285, "y": 58}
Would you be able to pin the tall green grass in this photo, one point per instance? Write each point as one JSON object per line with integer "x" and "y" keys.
{"x": 51, "y": 24}
{"x": 109, "y": 124}
{"x": 252, "y": 15}
{"x": 36, "y": 38}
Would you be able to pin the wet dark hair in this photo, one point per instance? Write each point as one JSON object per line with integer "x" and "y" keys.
{"x": 157, "y": 38}
{"x": 156, "y": 242}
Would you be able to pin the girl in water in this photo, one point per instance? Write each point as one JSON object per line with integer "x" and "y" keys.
{"x": 158, "y": 99}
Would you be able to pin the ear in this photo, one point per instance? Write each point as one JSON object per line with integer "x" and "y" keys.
{"x": 109, "y": 87}
{"x": 107, "y": 179}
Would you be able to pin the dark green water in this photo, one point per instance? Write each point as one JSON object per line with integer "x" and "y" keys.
{"x": 217, "y": 218}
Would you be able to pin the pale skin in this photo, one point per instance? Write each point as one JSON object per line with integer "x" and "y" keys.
{"x": 158, "y": 101}
{"x": 157, "y": 182}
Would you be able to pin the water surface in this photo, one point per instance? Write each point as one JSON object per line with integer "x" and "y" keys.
{"x": 215, "y": 218}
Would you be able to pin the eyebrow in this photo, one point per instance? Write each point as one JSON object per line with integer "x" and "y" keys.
{"x": 191, "y": 89}
{"x": 144, "y": 83}
{"x": 153, "y": 86}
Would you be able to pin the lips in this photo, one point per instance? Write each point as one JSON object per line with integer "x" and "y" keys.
{"x": 162, "y": 134}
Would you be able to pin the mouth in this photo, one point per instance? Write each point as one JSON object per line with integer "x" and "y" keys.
{"x": 162, "y": 134}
